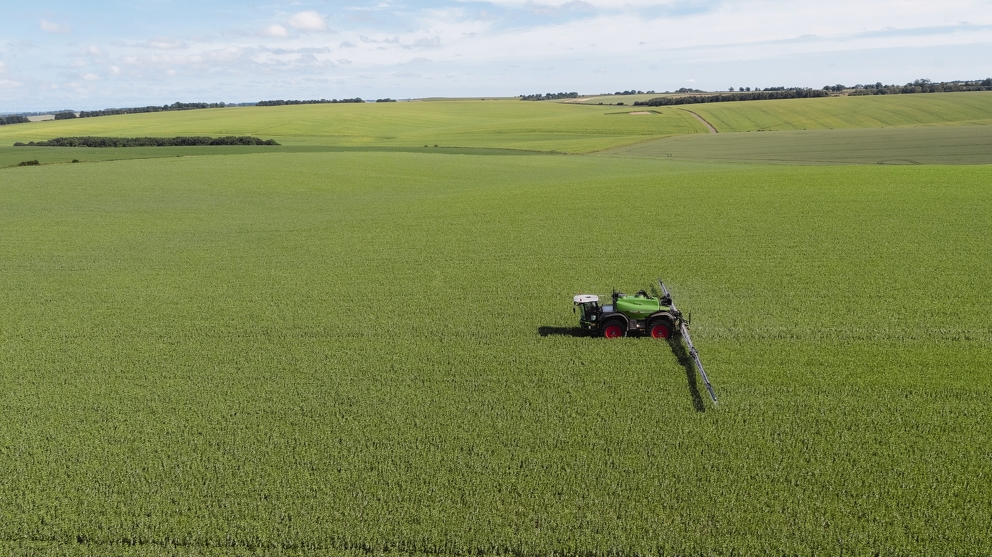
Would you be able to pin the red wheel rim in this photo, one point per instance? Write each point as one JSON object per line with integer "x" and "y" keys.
{"x": 612, "y": 331}
{"x": 660, "y": 331}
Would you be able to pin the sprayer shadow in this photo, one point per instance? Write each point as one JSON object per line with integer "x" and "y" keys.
{"x": 678, "y": 350}
{"x": 680, "y": 353}
{"x": 562, "y": 332}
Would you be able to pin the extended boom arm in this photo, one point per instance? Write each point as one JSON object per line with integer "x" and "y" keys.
{"x": 684, "y": 329}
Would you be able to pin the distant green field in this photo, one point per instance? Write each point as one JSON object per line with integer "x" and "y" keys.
{"x": 372, "y": 351}
{"x": 490, "y": 124}
{"x": 11, "y": 156}
{"x": 911, "y": 145}
{"x": 937, "y": 109}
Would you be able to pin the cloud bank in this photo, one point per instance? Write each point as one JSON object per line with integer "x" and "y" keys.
{"x": 396, "y": 48}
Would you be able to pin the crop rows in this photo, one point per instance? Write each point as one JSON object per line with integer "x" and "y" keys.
{"x": 344, "y": 353}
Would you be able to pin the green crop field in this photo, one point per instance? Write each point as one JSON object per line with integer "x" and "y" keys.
{"x": 350, "y": 347}
{"x": 904, "y": 145}
{"x": 880, "y": 111}
{"x": 517, "y": 124}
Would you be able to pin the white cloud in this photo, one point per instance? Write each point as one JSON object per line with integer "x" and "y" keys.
{"x": 3, "y": 67}
{"x": 643, "y": 44}
{"x": 90, "y": 76}
{"x": 164, "y": 43}
{"x": 275, "y": 31}
{"x": 54, "y": 27}
{"x": 428, "y": 43}
{"x": 7, "y": 84}
{"x": 308, "y": 21}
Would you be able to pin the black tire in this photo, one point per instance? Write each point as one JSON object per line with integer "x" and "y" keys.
{"x": 614, "y": 328}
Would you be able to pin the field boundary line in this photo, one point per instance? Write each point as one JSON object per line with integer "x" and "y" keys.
{"x": 648, "y": 140}
{"x": 701, "y": 119}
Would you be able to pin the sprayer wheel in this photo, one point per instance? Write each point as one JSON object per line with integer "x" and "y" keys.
{"x": 660, "y": 329}
{"x": 613, "y": 329}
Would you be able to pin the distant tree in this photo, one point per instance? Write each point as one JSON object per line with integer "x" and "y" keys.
{"x": 793, "y": 93}
{"x": 13, "y": 119}
{"x": 549, "y": 96}
{"x": 67, "y": 115}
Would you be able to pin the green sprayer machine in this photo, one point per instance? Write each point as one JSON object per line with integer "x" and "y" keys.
{"x": 640, "y": 314}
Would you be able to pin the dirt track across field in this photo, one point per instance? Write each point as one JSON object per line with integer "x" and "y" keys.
{"x": 703, "y": 120}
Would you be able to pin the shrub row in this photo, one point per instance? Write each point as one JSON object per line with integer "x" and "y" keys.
{"x": 143, "y": 109}
{"x": 549, "y": 96}
{"x": 183, "y": 141}
{"x": 281, "y": 102}
{"x": 13, "y": 119}
{"x": 730, "y": 97}
{"x": 920, "y": 86}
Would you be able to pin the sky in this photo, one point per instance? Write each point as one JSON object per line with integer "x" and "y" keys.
{"x": 102, "y": 54}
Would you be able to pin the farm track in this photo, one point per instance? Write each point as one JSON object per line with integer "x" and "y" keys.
{"x": 708, "y": 125}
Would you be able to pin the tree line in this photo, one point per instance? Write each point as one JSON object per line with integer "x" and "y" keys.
{"x": 794, "y": 93}
{"x": 549, "y": 96}
{"x": 144, "y": 109}
{"x": 281, "y": 102}
{"x": 917, "y": 86}
{"x": 181, "y": 141}
{"x": 13, "y": 119}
